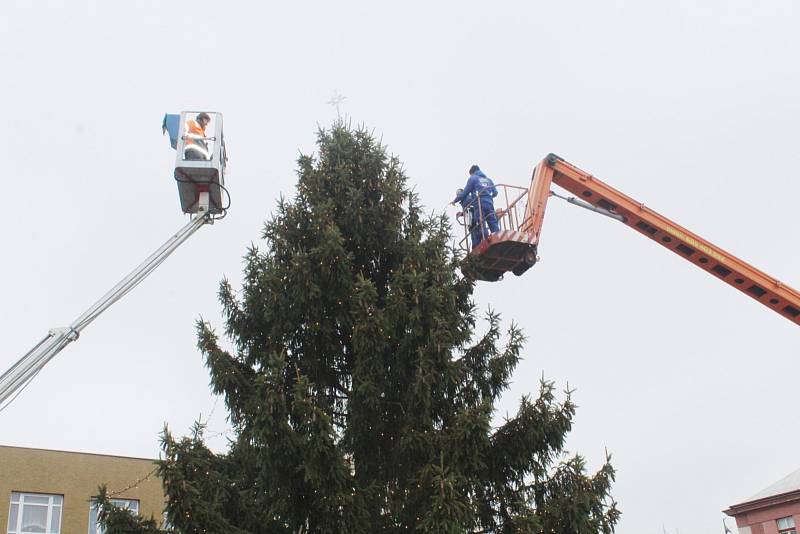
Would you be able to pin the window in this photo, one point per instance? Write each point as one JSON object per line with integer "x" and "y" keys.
{"x": 125, "y": 504}
{"x": 35, "y": 513}
{"x": 786, "y": 525}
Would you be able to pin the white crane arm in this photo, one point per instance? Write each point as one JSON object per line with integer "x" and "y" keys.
{"x": 23, "y": 371}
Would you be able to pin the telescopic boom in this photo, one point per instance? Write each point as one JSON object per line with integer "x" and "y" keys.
{"x": 22, "y": 372}
{"x": 200, "y": 163}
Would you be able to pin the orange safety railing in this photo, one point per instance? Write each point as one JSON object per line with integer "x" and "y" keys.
{"x": 510, "y": 215}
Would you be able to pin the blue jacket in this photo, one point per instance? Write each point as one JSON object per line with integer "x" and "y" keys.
{"x": 481, "y": 185}
{"x": 467, "y": 201}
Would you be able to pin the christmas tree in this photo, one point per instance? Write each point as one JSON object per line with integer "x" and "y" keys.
{"x": 362, "y": 383}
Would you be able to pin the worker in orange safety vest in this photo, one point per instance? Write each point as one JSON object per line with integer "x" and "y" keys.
{"x": 195, "y": 146}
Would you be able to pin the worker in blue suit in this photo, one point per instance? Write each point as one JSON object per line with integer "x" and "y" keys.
{"x": 482, "y": 188}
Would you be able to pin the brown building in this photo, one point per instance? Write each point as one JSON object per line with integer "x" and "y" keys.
{"x": 774, "y": 510}
{"x": 45, "y": 491}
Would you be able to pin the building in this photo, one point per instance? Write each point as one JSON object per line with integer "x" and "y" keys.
{"x": 774, "y": 510}
{"x": 46, "y": 491}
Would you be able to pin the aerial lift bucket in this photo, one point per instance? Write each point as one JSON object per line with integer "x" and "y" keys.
{"x": 200, "y": 159}
{"x": 510, "y": 249}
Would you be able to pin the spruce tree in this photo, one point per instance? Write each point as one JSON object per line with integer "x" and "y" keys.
{"x": 362, "y": 384}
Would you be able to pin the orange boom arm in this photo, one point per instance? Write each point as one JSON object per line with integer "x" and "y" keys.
{"x": 603, "y": 198}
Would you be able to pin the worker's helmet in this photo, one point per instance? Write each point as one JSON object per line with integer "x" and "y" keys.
{"x": 474, "y": 169}
{"x": 459, "y": 191}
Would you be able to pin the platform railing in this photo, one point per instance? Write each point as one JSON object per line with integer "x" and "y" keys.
{"x": 510, "y": 215}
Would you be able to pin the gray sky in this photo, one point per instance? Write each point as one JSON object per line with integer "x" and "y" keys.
{"x": 688, "y": 107}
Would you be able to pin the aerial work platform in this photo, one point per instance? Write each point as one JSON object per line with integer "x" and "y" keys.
{"x": 499, "y": 253}
{"x": 200, "y": 158}
{"x": 514, "y": 248}
{"x": 200, "y": 173}
{"x": 510, "y": 249}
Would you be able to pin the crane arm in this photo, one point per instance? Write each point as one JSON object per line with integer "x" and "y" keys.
{"x": 32, "y": 362}
{"x": 758, "y": 285}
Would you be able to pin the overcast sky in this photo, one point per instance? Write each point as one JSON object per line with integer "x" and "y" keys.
{"x": 690, "y": 107}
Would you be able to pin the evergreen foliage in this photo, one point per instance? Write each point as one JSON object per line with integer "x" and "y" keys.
{"x": 362, "y": 385}
{"x": 121, "y": 521}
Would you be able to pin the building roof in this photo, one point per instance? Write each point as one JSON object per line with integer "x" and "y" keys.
{"x": 75, "y": 452}
{"x": 788, "y": 483}
{"x": 785, "y": 490}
